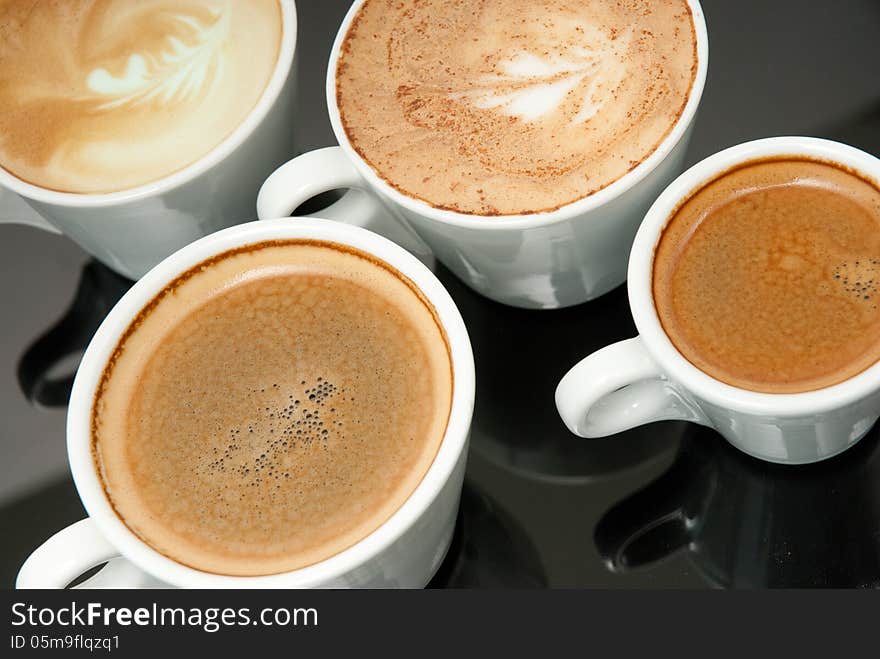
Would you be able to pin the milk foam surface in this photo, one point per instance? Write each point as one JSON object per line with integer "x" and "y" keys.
{"x": 768, "y": 278}
{"x": 272, "y": 409}
{"x": 104, "y": 95}
{"x": 491, "y": 107}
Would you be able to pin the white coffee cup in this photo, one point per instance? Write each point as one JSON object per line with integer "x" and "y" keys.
{"x": 132, "y": 230}
{"x": 647, "y": 379}
{"x": 405, "y": 551}
{"x": 538, "y": 261}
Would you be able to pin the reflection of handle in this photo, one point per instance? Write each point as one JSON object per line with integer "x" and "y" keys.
{"x": 99, "y": 289}
{"x": 14, "y": 210}
{"x": 323, "y": 170}
{"x": 648, "y": 526}
{"x": 65, "y": 556}
{"x": 121, "y": 573}
{"x": 617, "y": 388}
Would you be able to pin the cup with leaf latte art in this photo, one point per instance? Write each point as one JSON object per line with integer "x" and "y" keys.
{"x": 135, "y": 127}
{"x": 521, "y": 141}
{"x": 107, "y": 95}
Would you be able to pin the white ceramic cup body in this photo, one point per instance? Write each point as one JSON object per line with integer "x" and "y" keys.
{"x": 538, "y": 261}
{"x": 132, "y": 230}
{"x": 404, "y": 552}
{"x": 647, "y": 379}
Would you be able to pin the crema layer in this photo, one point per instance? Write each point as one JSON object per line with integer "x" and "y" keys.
{"x": 272, "y": 407}
{"x": 768, "y": 277}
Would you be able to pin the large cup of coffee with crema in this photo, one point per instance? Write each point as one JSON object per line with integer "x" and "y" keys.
{"x": 278, "y": 404}
{"x": 754, "y": 282}
{"x": 520, "y": 142}
{"x": 137, "y": 127}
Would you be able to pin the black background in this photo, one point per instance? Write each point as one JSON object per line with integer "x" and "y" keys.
{"x": 541, "y": 507}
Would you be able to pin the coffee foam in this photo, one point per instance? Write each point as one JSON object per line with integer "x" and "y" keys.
{"x": 498, "y": 108}
{"x": 104, "y": 95}
{"x": 767, "y": 277}
{"x": 272, "y": 408}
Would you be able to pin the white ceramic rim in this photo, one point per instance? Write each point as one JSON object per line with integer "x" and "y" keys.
{"x": 277, "y": 81}
{"x": 106, "y": 338}
{"x": 641, "y": 300}
{"x": 567, "y": 212}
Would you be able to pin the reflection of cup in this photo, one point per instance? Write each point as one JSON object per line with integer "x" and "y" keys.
{"x": 646, "y": 379}
{"x": 539, "y": 260}
{"x": 133, "y": 229}
{"x": 41, "y": 369}
{"x": 405, "y": 550}
{"x": 520, "y": 431}
{"x": 745, "y": 523}
{"x": 489, "y": 549}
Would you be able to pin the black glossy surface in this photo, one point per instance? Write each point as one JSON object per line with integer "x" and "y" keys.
{"x": 667, "y": 505}
{"x": 748, "y": 524}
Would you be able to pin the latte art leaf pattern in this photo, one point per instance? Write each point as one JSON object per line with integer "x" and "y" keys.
{"x": 513, "y": 107}
{"x": 99, "y": 96}
{"x": 180, "y": 72}
{"x": 531, "y": 86}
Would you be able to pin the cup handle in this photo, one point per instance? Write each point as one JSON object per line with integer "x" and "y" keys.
{"x": 65, "y": 556}
{"x": 617, "y": 388}
{"x": 324, "y": 170}
{"x": 15, "y": 210}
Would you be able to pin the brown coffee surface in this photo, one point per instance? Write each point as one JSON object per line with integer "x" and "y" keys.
{"x": 271, "y": 409}
{"x": 768, "y": 278}
{"x": 500, "y": 107}
{"x": 104, "y": 95}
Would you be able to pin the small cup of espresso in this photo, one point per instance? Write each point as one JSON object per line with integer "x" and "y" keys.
{"x": 754, "y": 282}
{"x": 275, "y": 405}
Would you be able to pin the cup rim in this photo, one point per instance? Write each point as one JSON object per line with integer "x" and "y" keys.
{"x": 524, "y": 221}
{"x": 640, "y": 278}
{"x": 452, "y": 446}
{"x": 277, "y": 81}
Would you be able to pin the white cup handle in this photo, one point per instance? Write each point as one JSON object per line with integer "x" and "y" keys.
{"x": 65, "y": 556}
{"x": 323, "y": 170}
{"x": 617, "y": 388}
{"x": 15, "y": 210}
